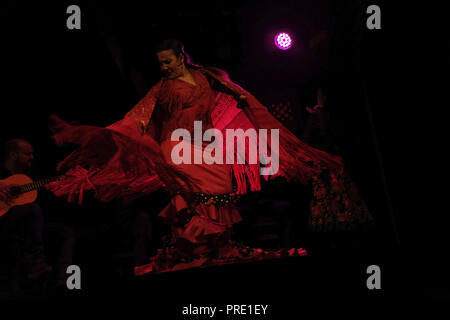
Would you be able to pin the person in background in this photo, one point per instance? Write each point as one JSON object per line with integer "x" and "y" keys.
{"x": 319, "y": 131}
{"x": 21, "y": 228}
{"x": 333, "y": 229}
{"x": 32, "y": 239}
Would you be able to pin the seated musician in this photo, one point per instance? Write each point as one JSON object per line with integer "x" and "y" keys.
{"x": 21, "y": 227}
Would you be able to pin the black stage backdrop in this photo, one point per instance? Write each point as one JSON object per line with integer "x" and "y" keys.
{"x": 94, "y": 75}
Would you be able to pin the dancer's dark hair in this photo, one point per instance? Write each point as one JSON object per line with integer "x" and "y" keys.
{"x": 178, "y": 48}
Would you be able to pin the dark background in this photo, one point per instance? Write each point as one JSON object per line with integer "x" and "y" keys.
{"x": 96, "y": 74}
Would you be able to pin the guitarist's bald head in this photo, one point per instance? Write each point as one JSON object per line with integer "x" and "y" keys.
{"x": 18, "y": 154}
{"x": 14, "y": 146}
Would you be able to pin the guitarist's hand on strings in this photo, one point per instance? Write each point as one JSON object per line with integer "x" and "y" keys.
{"x": 5, "y": 193}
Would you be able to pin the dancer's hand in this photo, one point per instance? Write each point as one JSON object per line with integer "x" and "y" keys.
{"x": 316, "y": 109}
{"x": 242, "y": 102}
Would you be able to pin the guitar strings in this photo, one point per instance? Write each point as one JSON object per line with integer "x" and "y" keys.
{"x": 37, "y": 184}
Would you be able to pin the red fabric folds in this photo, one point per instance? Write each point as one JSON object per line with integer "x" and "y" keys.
{"x": 297, "y": 160}
{"x": 115, "y": 162}
{"x": 123, "y": 161}
{"x": 225, "y": 116}
{"x": 208, "y": 221}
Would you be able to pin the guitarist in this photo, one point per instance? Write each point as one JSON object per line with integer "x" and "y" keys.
{"x": 21, "y": 228}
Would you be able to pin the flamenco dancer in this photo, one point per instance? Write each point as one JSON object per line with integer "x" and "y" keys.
{"x": 134, "y": 157}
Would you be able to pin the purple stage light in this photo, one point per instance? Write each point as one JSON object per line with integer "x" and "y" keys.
{"x": 283, "y": 41}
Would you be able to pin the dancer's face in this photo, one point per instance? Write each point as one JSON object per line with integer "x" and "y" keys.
{"x": 171, "y": 66}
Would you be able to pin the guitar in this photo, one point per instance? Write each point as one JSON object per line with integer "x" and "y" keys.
{"x": 23, "y": 190}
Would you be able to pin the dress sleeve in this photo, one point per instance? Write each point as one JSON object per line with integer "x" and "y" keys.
{"x": 143, "y": 110}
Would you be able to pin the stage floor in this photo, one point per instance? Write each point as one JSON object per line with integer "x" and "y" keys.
{"x": 284, "y": 286}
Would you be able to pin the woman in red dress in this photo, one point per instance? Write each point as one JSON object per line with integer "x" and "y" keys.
{"x": 134, "y": 156}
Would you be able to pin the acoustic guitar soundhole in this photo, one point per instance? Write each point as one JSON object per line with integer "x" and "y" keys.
{"x": 15, "y": 190}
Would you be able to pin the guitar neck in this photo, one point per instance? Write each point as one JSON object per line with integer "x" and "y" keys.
{"x": 37, "y": 184}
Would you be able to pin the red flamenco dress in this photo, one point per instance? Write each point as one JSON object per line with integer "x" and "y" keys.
{"x": 133, "y": 157}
